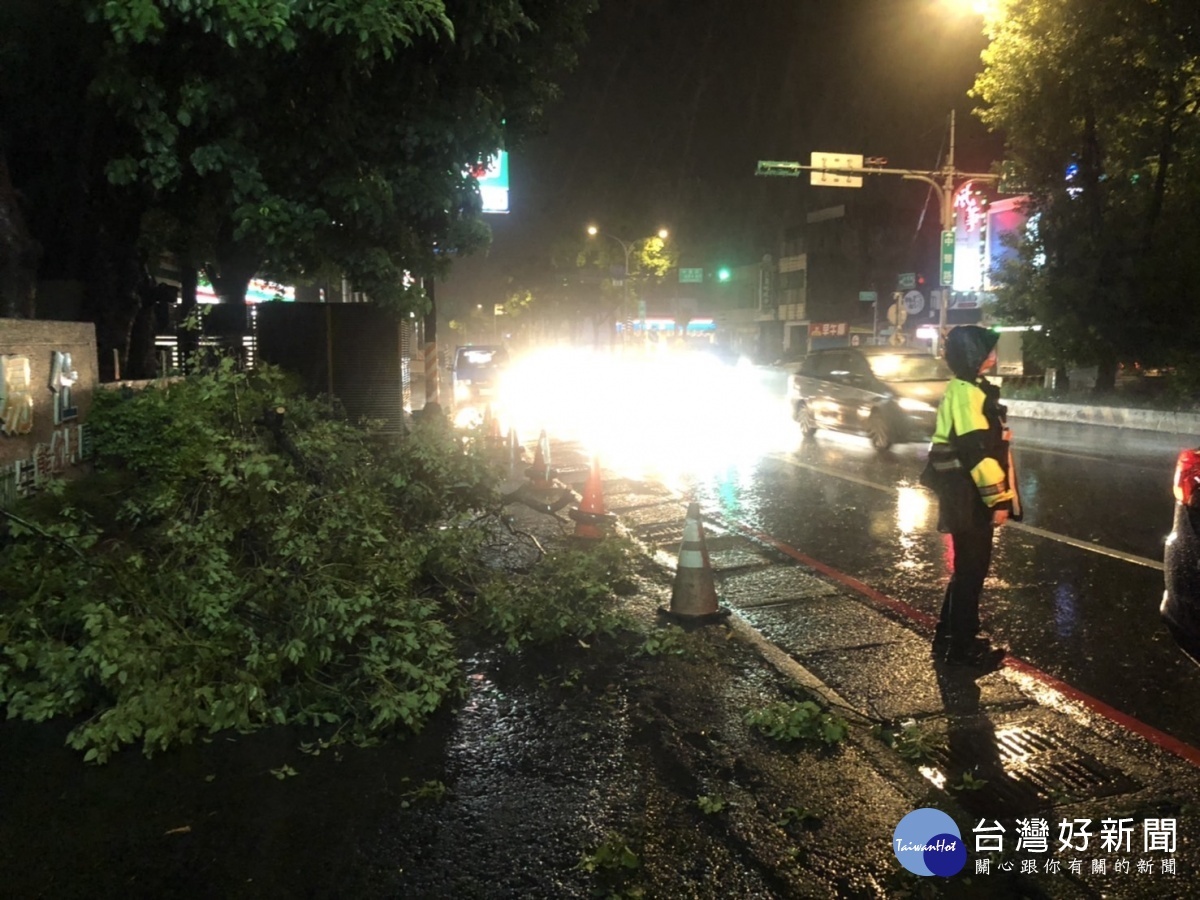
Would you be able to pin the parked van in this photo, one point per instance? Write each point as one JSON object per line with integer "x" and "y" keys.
{"x": 476, "y": 372}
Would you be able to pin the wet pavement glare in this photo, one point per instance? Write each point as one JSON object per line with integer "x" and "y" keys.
{"x": 1074, "y": 589}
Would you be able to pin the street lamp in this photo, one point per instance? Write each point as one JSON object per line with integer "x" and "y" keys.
{"x": 626, "y": 247}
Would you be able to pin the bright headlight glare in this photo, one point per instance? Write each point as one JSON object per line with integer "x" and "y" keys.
{"x": 907, "y": 403}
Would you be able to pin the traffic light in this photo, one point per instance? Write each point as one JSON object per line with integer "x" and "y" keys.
{"x": 723, "y": 273}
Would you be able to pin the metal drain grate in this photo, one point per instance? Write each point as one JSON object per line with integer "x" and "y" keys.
{"x": 1026, "y": 770}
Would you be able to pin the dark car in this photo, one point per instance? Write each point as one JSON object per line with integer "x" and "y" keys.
{"x": 477, "y": 371}
{"x": 889, "y": 394}
{"x": 1181, "y": 599}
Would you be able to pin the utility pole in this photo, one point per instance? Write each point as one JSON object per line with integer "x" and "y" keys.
{"x": 947, "y": 198}
{"x": 845, "y": 170}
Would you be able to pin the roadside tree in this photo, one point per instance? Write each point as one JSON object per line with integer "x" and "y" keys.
{"x": 278, "y": 137}
{"x": 1098, "y": 102}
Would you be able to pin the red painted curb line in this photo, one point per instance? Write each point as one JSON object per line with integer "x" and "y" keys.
{"x": 1148, "y": 732}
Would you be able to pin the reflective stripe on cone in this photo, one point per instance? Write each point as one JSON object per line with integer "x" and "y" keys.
{"x": 694, "y": 594}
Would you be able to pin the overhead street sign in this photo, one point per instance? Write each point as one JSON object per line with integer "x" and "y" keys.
{"x": 906, "y": 281}
{"x": 691, "y": 276}
{"x": 836, "y": 161}
{"x": 775, "y": 167}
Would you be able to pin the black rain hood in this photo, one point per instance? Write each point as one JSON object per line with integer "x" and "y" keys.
{"x": 967, "y": 347}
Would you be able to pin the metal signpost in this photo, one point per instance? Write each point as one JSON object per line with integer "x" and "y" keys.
{"x": 847, "y": 169}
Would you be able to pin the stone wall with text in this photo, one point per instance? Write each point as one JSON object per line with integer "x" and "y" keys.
{"x": 48, "y": 375}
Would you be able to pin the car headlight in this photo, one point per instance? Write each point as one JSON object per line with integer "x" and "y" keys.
{"x": 909, "y": 405}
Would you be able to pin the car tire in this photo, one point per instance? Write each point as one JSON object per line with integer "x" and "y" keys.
{"x": 879, "y": 431}
{"x": 808, "y": 424}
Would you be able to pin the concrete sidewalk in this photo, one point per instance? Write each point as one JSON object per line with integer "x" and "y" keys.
{"x": 1002, "y": 753}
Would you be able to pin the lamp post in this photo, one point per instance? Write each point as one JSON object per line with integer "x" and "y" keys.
{"x": 626, "y": 247}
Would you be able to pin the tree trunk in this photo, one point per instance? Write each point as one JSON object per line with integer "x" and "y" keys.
{"x": 111, "y": 291}
{"x": 230, "y": 276}
{"x": 1157, "y": 199}
{"x": 187, "y": 330}
{"x": 1106, "y": 373}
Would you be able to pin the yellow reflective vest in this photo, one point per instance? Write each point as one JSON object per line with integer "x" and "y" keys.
{"x": 969, "y": 435}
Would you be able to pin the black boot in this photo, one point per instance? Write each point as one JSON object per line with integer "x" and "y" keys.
{"x": 941, "y": 642}
{"x": 977, "y": 655}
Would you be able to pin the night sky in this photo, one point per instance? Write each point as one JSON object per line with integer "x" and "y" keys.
{"x": 675, "y": 101}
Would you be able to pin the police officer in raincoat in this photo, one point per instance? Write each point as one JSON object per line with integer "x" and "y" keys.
{"x": 968, "y": 469}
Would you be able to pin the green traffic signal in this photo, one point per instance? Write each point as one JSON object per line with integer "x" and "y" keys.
{"x": 723, "y": 273}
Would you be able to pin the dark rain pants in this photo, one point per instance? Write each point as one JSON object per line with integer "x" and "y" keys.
{"x": 959, "y": 620}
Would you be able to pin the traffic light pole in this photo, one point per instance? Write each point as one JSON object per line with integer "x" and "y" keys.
{"x": 942, "y": 181}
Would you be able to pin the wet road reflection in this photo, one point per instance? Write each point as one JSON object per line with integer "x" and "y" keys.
{"x": 1084, "y": 610}
{"x": 1074, "y": 589}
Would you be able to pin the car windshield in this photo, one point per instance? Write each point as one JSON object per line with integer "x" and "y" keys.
{"x": 909, "y": 367}
{"x": 477, "y": 360}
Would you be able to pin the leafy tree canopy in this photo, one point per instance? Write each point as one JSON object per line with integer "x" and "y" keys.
{"x": 1098, "y": 101}
{"x": 289, "y": 136}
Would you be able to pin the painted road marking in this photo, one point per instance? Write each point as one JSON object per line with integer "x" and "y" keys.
{"x": 1020, "y": 526}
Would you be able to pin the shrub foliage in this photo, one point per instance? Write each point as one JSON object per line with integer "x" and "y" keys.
{"x": 240, "y": 557}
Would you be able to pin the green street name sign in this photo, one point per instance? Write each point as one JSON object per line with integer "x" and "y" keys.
{"x": 778, "y": 168}
{"x": 947, "y": 264}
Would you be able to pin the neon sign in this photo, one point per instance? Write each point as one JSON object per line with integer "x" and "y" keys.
{"x": 972, "y": 205}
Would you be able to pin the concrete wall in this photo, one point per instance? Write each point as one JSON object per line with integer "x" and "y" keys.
{"x": 48, "y": 375}
{"x": 1120, "y": 417}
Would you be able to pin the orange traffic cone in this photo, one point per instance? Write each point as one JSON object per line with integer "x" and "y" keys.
{"x": 543, "y": 491}
{"x": 591, "y": 514}
{"x": 540, "y": 474}
{"x": 694, "y": 595}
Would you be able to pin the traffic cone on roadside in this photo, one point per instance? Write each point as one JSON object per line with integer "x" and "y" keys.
{"x": 694, "y": 594}
{"x": 543, "y": 491}
{"x": 541, "y": 476}
{"x": 591, "y": 514}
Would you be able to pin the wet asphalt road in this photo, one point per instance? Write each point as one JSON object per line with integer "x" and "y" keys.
{"x": 1074, "y": 589}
